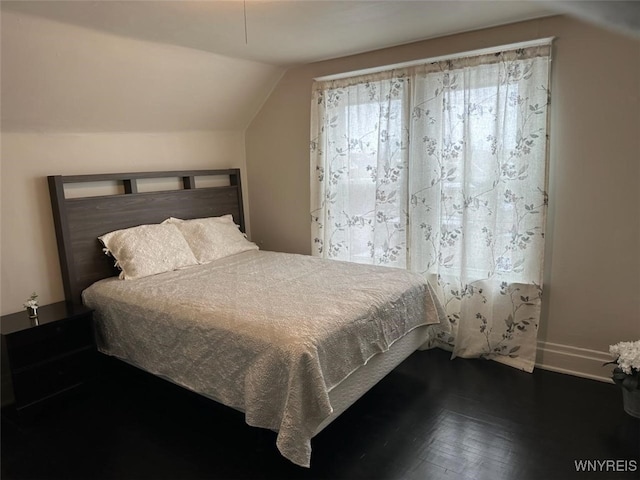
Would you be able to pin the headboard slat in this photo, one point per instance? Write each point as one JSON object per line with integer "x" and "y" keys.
{"x": 130, "y": 185}
{"x": 189, "y": 182}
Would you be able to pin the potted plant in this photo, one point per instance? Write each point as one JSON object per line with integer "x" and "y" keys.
{"x": 627, "y": 374}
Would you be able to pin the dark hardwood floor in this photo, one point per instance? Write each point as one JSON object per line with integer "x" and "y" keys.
{"x": 431, "y": 418}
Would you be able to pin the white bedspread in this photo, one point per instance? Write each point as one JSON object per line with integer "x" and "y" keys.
{"x": 267, "y": 333}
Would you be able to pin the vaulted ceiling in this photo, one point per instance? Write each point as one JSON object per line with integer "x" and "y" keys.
{"x": 203, "y": 65}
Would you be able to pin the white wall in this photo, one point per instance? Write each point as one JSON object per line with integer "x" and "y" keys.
{"x": 592, "y": 264}
{"x": 79, "y": 101}
{"x": 28, "y": 252}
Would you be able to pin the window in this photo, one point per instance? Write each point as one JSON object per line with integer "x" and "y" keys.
{"x": 440, "y": 168}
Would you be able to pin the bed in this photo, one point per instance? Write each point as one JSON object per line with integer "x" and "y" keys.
{"x": 290, "y": 340}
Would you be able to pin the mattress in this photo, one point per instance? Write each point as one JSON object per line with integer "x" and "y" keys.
{"x": 267, "y": 333}
{"x": 345, "y": 394}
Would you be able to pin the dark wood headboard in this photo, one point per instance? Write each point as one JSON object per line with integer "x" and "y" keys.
{"x": 80, "y": 221}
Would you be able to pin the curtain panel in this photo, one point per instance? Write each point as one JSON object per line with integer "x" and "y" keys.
{"x": 441, "y": 169}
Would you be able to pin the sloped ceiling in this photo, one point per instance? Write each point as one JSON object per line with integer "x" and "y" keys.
{"x": 191, "y": 65}
{"x": 62, "y": 78}
{"x": 283, "y": 33}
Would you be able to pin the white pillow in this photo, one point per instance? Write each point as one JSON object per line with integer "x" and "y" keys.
{"x": 213, "y": 238}
{"x": 148, "y": 250}
{"x": 222, "y": 219}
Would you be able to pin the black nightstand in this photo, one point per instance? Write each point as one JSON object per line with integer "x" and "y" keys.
{"x": 43, "y": 360}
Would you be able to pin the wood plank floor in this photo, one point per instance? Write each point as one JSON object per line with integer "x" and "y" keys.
{"x": 432, "y": 418}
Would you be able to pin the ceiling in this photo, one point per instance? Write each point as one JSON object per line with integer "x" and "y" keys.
{"x": 98, "y": 66}
{"x": 287, "y": 33}
{"x": 283, "y": 33}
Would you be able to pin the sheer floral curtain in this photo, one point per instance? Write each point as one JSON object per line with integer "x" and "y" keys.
{"x": 359, "y": 169}
{"x": 442, "y": 169}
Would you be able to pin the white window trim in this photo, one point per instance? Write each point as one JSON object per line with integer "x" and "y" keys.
{"x": 413, "y": 63}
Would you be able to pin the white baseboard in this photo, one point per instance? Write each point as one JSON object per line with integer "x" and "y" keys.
{"x": 580, "y": 362}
